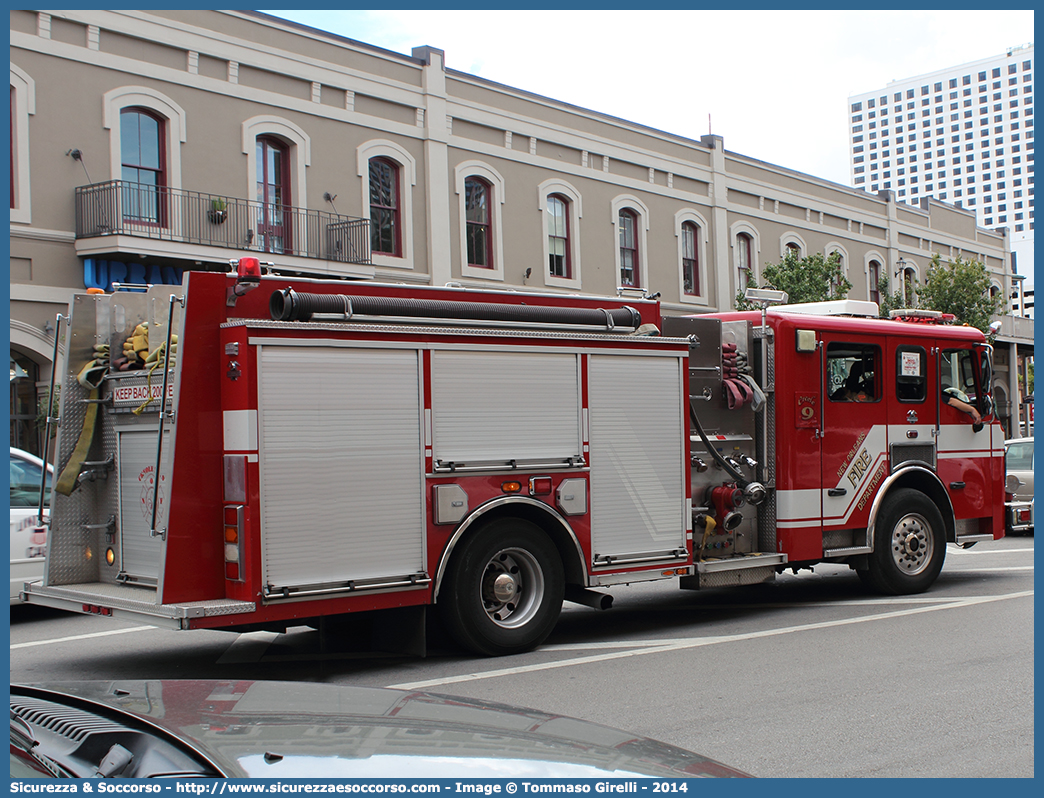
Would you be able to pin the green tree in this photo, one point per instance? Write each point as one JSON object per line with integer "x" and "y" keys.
{"x": 960, "y": 287}
{"x": 889, "y": 301}
{"x": 809, "y": 279}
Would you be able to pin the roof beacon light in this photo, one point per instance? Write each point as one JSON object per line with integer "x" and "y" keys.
{"x": 248, "y": 277}
{"x": 248, "y": 270}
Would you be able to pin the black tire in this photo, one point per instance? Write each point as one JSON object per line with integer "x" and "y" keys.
{"x": 503, "y": 590}
{"x": 864, "y": 577}
{"x": 909, "y": 544}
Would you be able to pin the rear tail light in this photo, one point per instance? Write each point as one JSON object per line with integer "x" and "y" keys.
{"x": 232, "y": 538}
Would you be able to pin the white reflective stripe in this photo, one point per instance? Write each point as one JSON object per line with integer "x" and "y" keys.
{"x": 797, "y": 508}
{"x": 240, "y": 428}
{"x": 960, "y": 440}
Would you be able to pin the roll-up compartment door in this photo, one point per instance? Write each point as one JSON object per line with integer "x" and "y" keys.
{"x": 637, "y": 418}
{"x": 494, "y": 407}
{"x": 341, "y": 465}
{"x": 140, "y": 551}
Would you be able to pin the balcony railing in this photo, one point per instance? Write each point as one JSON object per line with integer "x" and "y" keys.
{"x": 1015, "y": 328}
{"x": 191, "y": 217}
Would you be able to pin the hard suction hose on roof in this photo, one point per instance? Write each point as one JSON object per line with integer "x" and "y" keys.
{"x": 290, "y": 305}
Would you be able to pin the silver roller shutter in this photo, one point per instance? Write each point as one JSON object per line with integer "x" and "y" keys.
{"x": 637, "y": 470}
{"x": 492, "y": 407}
{"x": 341, "y": 467}
{"x": 140, "y": 552}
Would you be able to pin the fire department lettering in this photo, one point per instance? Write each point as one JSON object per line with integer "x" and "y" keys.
{"x": 851, "y": 453}
{"x": 859, "y": 467}
{"x": 870, "y": 488}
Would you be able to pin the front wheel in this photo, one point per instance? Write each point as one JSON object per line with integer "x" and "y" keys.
{"x": 503, "y": 589}
{"x": 909, "y": 544}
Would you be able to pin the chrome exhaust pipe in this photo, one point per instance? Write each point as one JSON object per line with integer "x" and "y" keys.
{"x": 589, "y": 598}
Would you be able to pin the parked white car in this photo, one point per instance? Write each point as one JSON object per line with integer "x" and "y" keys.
{"x": 1018, "y": 457}
{"x": 28, "y": 545}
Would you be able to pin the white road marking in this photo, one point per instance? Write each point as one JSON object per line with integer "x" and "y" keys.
{"x": 654, "y": 647}
{"x": 974, "y": 570}
{"x": 976, "y": 550}
{"x": 57, "y": 640}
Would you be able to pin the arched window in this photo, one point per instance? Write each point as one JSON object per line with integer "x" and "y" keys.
{"x": 273, "y": 217}
{"x": 25, "y": 434}
{"x": 478, "y": 200}
{"x": 481, "y": 192}
{"x": 143, "y": 167}
{"x": 835, "y": 279}
{"x": 908, "y": 285}
{"x": 559, "y": 259}
{"x": 561, "y": 207}
{"x": 23, "y": 105}
{"x": 744, "y": 259}
{"x": 14, "y": 138}
{"x": 874, "y": 269}
{"x": 793, "y": 249}
{"x": 390, "y": 156}
{"x": 629, "y": 266}
{"x": 385, "y": 233}
{"x": 690, "y": 259}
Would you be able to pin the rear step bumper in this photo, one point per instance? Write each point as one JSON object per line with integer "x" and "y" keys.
{"x": 131, "y": 602}
{"x": 740, "y": 569}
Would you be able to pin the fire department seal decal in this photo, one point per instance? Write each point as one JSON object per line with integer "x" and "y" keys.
{"x": 146, "y": 484}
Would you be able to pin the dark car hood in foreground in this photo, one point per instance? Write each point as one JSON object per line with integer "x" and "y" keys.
{"x": 306, "y": 730}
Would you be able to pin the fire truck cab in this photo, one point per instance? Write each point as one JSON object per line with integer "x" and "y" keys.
{"x": 865, "y": 452}
{"x": 261, "y": 452}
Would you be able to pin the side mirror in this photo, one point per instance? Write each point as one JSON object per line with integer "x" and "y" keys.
{"x": 1012, "y": 483}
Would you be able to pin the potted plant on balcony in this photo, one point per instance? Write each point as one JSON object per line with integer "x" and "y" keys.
{"x": 218, "y": 211}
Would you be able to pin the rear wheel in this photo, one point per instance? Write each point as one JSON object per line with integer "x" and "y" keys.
{"x": 909, "y": 544}
{"x": 503, "y": 590}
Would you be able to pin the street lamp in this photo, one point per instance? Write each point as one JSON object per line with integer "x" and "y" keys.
{"x": 901, "y": 274}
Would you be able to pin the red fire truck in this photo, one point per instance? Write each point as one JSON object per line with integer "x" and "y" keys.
{"x": 312, "y": 449}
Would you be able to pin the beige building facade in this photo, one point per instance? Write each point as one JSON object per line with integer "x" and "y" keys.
{"x": 148, "y": 143}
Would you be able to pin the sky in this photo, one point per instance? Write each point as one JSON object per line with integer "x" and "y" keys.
{"x": 774, "y": 84}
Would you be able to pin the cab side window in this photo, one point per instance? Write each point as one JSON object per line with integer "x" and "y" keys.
{"x": 911, "y": 380}
{"x": 853, "y": 372}
{"x": 957, "y": 374}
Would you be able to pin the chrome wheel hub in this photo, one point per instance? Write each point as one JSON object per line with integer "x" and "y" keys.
{"x": 912, "y": 544}
{"x": 512, "y": 586}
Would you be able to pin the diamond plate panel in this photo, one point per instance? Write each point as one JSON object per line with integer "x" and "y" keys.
{"x": 746, "y": 576}
{"x": 134, "y": 598}
{"x": 767, "y": 509}
{"x": 73, "y": 551}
